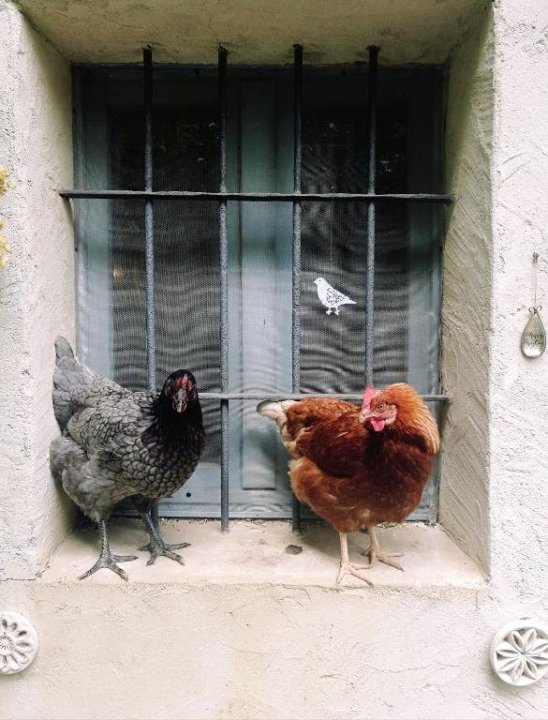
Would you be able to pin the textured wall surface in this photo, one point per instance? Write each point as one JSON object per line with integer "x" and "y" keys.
{"x": 493, "y": 494}
{"x": 253, "y": 32}
{"x": 36, "y": 286}
{"x": 258, "y": 651}
{"x": 242, "y": 644}
{"x": 245, "y": 631}
{"x": 519, "y": 396}
{"x": 467, "y": 294}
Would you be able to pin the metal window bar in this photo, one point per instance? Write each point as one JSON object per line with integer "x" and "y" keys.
{"x": 149, "y": 224}
{"x": 150, "y": 318}
{"x": 223, "y": 262}
{"x": 251, "y": 197}
{"x": 371, "y": 224}
{"x": 222, "y": 197}
{"x": 298, "y": 396}
{"x": 296, "y": 259}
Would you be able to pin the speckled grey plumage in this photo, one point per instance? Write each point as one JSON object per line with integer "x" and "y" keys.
{"x": 117, "y": 443}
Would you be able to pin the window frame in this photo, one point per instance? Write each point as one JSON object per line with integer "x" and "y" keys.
{"x": 297, "y": 198}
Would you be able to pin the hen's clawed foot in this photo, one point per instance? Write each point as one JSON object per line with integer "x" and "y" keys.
{"x": 384, "y": 557}
{"x": 157, "y": 547}
{"x": 355, "y": 570}
{"x": 109, "y": 562}
{"x": 106, "y": 559}
{"x": 376, "y": 553}
{"x": 348, "y": 568}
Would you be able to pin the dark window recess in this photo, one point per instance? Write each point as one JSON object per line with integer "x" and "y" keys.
{"x": 232, "y": 292}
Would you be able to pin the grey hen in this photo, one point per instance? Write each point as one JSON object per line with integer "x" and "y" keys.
{"x": 118, "y": 444}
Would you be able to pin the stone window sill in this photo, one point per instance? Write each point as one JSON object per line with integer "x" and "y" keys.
{"x": 254, "y": 553}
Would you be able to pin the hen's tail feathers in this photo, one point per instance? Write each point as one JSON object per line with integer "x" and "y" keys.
{"x": 63, "y": 349}
{"x": 275, "y": 409}
{"x": 69, "y": 377}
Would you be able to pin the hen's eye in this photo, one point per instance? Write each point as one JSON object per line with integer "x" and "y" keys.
{"x": 381, "y": 407}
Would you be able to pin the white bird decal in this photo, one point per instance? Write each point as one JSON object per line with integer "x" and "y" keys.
{"x": 332, "y": 299}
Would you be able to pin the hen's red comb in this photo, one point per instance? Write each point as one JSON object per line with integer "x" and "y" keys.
{"x": 368, "y": 395}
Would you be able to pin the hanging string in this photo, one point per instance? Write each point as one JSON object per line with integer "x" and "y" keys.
{"x": 535, "y": 307}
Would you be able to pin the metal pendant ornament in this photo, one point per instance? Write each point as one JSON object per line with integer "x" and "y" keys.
{"x": 533, "y": 337}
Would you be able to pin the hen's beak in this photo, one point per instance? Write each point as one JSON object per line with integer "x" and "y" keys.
{"x": 377, "y": 419}
{"x": 366, "y": 414}
{"x": 180, "y": 401}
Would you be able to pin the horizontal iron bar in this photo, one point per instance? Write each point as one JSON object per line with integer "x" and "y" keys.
{"x": 249, "y": 197}
{"x": 299, "y": 396}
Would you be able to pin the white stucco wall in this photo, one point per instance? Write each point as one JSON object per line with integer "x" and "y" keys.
{"x": 246, "y": 631}
{"x": 213, "y": 639}
{"x": 36, "y": 286}
{"x": 253, "y": 32}
{"x": 519, "y": 407}
{"x": 467, "y": 292}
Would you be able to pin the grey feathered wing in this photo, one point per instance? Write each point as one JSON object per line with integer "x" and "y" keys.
{"x": 97, "y": 456}
{"x": 93, "y": 482}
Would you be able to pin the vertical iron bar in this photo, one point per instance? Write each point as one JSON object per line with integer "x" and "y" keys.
{"x": 223, "y": 267}
{"x": 371, "y": 218}
{"x": 150, "y": 324}
{"x": 149, "y": 226}
{"x": 296, "y": 258}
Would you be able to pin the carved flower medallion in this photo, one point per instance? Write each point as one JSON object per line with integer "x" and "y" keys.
{"x": 18, "y": 643}
{"x": 519, "y": 652}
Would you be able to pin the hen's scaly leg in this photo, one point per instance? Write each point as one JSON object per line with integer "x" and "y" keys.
{"x": 347, "y": 568}
{"x": 157, "y": 546}
{"x": 106, "y": 558}
{"x": 154, "y": 516}
{"x": 375, "y": 551}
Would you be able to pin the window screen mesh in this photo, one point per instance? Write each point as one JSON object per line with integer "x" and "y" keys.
{"x": 186, "y": 251}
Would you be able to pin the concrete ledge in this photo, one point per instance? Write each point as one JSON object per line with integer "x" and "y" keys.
{"x": 254, "y": 552}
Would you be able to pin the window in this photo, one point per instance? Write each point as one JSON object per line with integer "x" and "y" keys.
{"x": 272, "y": 345}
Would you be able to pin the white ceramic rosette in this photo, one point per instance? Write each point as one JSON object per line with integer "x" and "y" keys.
{"x": 18, "y": 643}
{"x": 519, "y": 652}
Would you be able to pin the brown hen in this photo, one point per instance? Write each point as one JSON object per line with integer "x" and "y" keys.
{"x": 357, "y": 467}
